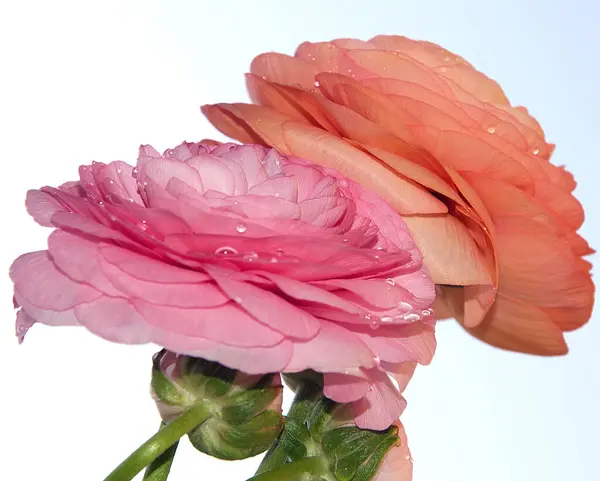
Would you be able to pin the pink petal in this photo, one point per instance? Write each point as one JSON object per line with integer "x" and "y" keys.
{"x": 334, "y": 349}
{"x": 38, "y": 280}
{"x": 343, "y": 388}
{"x": 381, "y": 406}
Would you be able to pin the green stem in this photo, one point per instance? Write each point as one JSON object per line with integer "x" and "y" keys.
{"x": 159, "y": 469}
{"x": 294, "y": 471}
{"x": 159, "y": 443}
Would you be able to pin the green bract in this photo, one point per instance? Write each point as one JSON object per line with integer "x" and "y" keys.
{"x": 245, "y": 410}
{"x": 321, "y": 430}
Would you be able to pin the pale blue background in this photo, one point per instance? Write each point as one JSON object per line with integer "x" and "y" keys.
{"x": 92, "y": 80}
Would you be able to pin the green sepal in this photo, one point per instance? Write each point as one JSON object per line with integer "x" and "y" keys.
{"x": 245, "y": 410}
{"x": 318, "y": 427}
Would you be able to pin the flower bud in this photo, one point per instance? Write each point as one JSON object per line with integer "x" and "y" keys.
{"x": 319, "y": 427}
{"x": 246, "y": 409}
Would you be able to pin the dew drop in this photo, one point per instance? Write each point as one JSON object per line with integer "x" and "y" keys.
{"x": 412, "y": 317}
{"x": 279, "y": 252}
{"x": 317, "y": 83}
{"x": 274, "y": 260}
{"x": 170, "y": 152}
{"x": 134, "y": 172}
{"x": 406, "y": 305}
{"x": 143, "y": 225}
{"x": 100, "y": 203}
{"x": 491, "y": 129}
{"x": 373, "y": 325}
{"x": 110, "y": 181}
{"x": 241, "y": 228}
{"x": 390, "y": 281}
{"x": 345, "y": 240}
{"x": 237, "y": 300}
{"x": 250, "y": 256}
{"x": 387, "y": 319}
{"x": 119, "y": 170}
{"x": 377, "y": 259}
{"x": 225, "y": 251}
{"x": 536, "y": 151}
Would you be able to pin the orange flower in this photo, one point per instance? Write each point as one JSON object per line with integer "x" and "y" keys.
{"x": 495, "y": 220}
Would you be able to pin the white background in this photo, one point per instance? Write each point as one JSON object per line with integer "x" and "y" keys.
{"x": 84, "y": 81}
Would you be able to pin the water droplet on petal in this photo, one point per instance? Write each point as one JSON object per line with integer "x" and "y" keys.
{"x": 170, "y": 152}
{"x": 317, "y": 83}
{"x": 406, "y": 306}
{"x": 143, "y": 225}
{"x": 237, "y": 300}
{"x": 134, "y": 172}
{"x": 390, "y": 281}
{"x": 279, "y": 252}
{"x": 225, "y": 251}
{"x": 119, "y": 170}
{"x": 100, "y": 203}
{"x": 536, "y": 151}
{"x": 241, "y": 228}
{"x": 250, "y": 256}
{"x": 232, "y": 148}
{"x": 274, "y": 260}
{"x": 491, "y": 129}
{"x": 412, "y": 317}
{"x": 387, "y": 319}
{"x": 110, "y": 181}
{"x": 377, "y": 259}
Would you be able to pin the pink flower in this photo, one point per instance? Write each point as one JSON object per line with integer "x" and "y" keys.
{"x": 240, "y": 255}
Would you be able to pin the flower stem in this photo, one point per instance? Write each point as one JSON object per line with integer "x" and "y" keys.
{"x": 158, "y": 470}
{"x": 159, "y": 443}
{"x": 294, "y": 471}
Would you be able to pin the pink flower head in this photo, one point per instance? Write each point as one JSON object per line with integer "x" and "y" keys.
{"x": 237, "y": 254}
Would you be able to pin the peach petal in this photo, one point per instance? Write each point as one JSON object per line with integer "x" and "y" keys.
{"x": 458, "y": 260}
{"x": 516, "y": 326}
